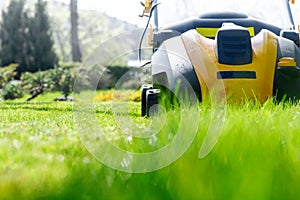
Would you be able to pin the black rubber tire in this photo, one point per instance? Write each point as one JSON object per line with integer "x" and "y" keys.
{"x": 152, "y": 98}
{"x": 287, "y": 84}
{"x": 143, "y": 98}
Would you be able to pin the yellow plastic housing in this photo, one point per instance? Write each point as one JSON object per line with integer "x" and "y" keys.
{"x": 212, "y": 32}
{"x": 202, "y": 55}
{"x": 287, "y": 62}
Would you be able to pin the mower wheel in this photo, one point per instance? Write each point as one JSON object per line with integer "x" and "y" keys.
{"x": 143, "y": 97}
{"x": 152, "y": 98}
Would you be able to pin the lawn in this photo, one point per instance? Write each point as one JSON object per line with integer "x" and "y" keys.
{"x": 42, "y": 155}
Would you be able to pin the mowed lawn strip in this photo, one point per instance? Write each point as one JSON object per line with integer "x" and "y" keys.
{"x": 256, "y": 157}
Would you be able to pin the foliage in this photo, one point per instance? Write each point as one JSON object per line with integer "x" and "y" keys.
{"x": 65, "y": 80}
{"x": 26, "y": 40}
{"x": 32, "y": 80}
{"x": 104, "y": 78}
{"x": 132, "y": 78}
{"x": 7, "y": 74}
{"x": 41, "y": 38}
{"x": 14, "y": 36}
{"x": 94, "y": 76}
{"x": 11, "y": 91}
{"x": 62, "y": 78}
{"x": 58, "y": 79}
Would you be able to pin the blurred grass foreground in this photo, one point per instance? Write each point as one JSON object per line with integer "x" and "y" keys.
{"x": 42, "y": 157}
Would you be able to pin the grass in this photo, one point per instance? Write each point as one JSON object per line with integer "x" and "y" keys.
{"x": 42, "y": 157}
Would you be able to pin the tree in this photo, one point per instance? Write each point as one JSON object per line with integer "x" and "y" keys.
{"x": 14, "y": 36}
{"x": 41, "y": 38}
{"x": 76, "y": 52}
{"x": 26, "y": 40}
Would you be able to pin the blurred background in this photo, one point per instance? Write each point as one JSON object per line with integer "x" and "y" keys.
{"x": 100, "y": 20}
{"x": 49, "y": 36}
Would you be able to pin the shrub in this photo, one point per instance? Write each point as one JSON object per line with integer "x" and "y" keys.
{"x": 11, "y": 91}
{"x": 66, "y": 82}
{"x": 62, "y": 78}
{"x": 131, "y": 85}
{"x": 7, "y": 74}
{"x": 32, "y": 80}
{"x": 58, "y": 79}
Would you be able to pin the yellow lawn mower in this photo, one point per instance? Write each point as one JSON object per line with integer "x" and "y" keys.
{"x": 233, "y": 54}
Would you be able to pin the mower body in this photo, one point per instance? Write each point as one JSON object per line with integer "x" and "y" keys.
{"x": 235, "y": 56}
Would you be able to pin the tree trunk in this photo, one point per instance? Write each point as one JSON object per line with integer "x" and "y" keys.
{"x": 76, "y": 53}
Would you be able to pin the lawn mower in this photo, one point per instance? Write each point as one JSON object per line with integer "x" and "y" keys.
{"x": 246, "y": 57}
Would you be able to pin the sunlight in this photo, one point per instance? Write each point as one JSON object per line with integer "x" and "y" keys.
{"x": 174, "y": 10}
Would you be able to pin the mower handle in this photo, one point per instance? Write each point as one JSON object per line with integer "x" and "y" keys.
{"x": 148, "y": 6}
{"x": 289, "y": 12}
